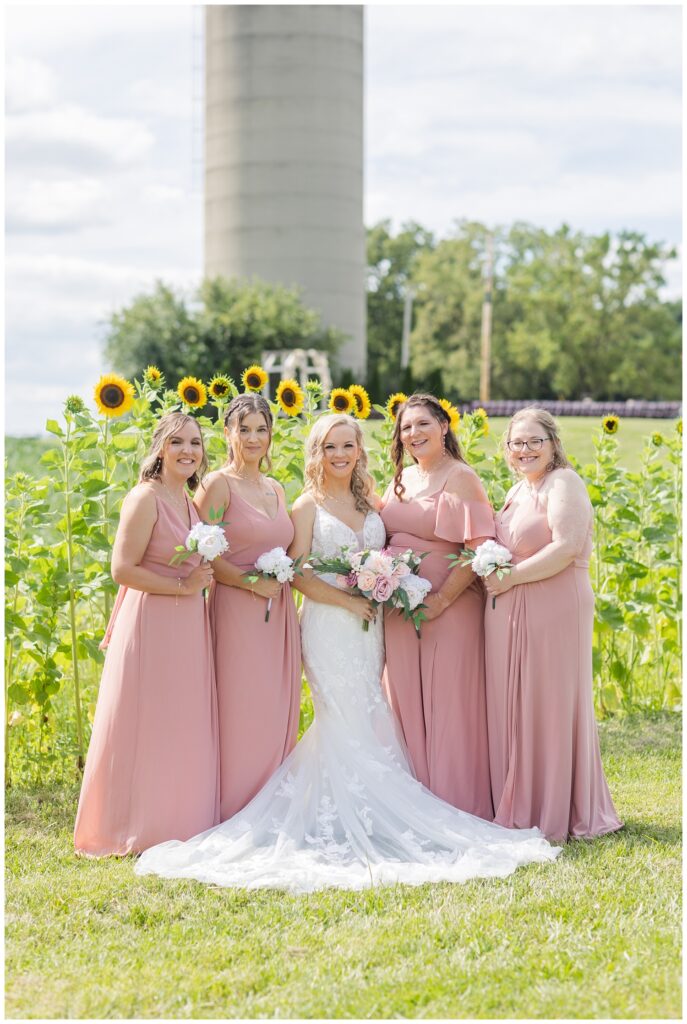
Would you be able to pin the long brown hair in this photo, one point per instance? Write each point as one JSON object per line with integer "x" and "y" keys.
{"x": 397, "y": 450}
{"x": 237, "y": 410}
{"x": 549, "y": 427}
{"x": 362, "y": 484}
{"x": 168, "y": 425}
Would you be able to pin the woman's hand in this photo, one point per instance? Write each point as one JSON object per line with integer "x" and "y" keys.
{"x": 362, "y": 607}
{"x": 496, "y": 586}
{"x": 268, "y": 588}
{"x": 198, "y": 579}
{"x": 434, "y": 606}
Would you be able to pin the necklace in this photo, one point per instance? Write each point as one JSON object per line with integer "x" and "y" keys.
{"x": 340, "y": 501}
{"x": 175, "y": 501}
{"x": 425, "y": 474}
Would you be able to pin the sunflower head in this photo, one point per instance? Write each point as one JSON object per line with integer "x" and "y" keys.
{"x": 154, "y": 377}
{"x": 219, "y": 387}
{"x": 254, "y": 378}
{"x": 678, "y": 427}
{"x": 341, "y": 400}
{"x": 452, "y": 412}
{"x": 361, "y": 401}
{"x": 192, "y": 392}
{"x": 657, "y": 439}
{"x": 290, "y": 397}
{"x": 610, "y": 424}
{"x": 75, "y": 404}
{"x": 113, "y": 395}
{"x": 394, "y": 402}
{"x": 481, "y": 419}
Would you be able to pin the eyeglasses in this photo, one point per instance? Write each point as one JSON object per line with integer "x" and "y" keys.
{"x": 533, "y": 445}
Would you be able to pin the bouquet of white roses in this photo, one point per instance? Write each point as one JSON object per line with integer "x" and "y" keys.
{"x": 487, "y": 558}
{"x": 275, "y": 563}
{"x": 204, "y": 539}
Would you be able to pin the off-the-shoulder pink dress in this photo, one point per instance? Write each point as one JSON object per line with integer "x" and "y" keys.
{"x": 257, "y": 663}
{"x": 152, "y": 767}
{"x": 435, "y": 681}
{"x": 543, "y": 742}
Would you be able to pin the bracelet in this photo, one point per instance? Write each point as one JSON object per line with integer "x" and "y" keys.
{"x": 179, "y": 583}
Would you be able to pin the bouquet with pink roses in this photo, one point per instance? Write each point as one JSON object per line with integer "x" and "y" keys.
{"x": 381, "y": 577}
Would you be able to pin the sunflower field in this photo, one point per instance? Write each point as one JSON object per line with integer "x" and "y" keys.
{"x": 61, "y": 520}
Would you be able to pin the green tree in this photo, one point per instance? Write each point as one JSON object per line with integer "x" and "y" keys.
{"x": 390, "y": 268}
{"x": 225, "y": 329}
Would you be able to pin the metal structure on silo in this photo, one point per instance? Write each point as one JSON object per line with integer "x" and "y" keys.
{"x": 284, "y": 155}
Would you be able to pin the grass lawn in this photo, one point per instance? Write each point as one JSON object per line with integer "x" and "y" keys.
{"x": 597, "y": 934}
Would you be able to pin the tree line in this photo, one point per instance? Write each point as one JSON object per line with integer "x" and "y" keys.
{"x": 574, "y": 315}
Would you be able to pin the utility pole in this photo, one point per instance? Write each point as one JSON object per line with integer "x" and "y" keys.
{"x": 485, "y": 352}
{"x": 407, "y": 325}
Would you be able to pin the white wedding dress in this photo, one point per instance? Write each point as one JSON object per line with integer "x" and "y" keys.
{"x": 344, "y": 810}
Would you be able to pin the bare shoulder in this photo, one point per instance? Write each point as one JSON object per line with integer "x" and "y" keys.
{"x": 215, "y": 484}
{"x": 277, "y": 486}
{"x": 464, "y": 483}
{"x": 565, "y": 482}
{"x": 304, "y": 506}
{"x": 375, "y": 501}
{"x": 140, "y": 502}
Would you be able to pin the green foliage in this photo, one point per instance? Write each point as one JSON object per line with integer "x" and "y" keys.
{"x": 595, "y": 935}
{"x": 573, "y": 314}
{"x": 223, "y": 331}
{"x": 61, "y": 522}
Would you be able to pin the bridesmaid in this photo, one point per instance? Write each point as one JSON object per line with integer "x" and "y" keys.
{"x": 435, "y": 681}
{"x": 151, "y": 772}
{"x": 258, "y": 663}
{"x": 543, "y": 743}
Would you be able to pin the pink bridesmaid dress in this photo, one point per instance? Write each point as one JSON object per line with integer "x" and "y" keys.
{"x": 543, "y": 742}
{"x": 258, "y": 663}
{"x": 152, "y": 767}
{"x": 435, "y": 681}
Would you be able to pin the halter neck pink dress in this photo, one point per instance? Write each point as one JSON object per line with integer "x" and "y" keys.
{"x": 435, "y": 681}
{"x": 543, "y": 743}
{"x": 257, "y": 663}
{"x": 152, "y": 767}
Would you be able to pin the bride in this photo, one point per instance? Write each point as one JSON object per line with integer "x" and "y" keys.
{"x": 344, "y": 810}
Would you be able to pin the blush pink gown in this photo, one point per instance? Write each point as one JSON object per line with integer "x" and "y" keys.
{"x": 543, "y": 742}
{"x": 435, "y": 682}
{"x": 152, "y": 767}
{"x": 258, "y": 663}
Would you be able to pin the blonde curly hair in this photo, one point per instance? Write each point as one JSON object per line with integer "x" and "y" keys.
{"x": 362, "y": 484}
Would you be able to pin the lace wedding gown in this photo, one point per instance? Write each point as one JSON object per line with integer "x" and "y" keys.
{"x": 343, "y": 810}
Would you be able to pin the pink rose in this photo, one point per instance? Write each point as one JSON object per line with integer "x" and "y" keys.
{"x": 383, "y": 589}
{"x": 401, "y": 570}
{"x": 366, "y": 579}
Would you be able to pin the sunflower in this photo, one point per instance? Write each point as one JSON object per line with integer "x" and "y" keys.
{"x": 452, "y": 413}
{"x": 610, "y": 424}
{"x": 75, "y": 404}
{"x": 395, "y": 400}
{"x": 254, "y": 378}
{"x": 341, "y": 400}
{"x": 113, "y": 395}
{"x": 290, "y": 397}
{"x": 154, "y": 377}
{"x": 678, "y": 427}
{"x": 219, "y": 386}
{"x": 481, "y": 419}
{"x": 361, "y": 401}
{"x": 192, "y": 392}
{"x": 657, "y": 439}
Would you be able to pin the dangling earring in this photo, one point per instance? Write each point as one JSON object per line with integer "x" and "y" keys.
{"x": 443, "y": 445}
{"x": 158, "y": 464}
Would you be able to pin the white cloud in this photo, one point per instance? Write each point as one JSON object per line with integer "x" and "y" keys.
{"x": 70, "y": 134}
{"x": 29, "y": 85}
{"x": 54, "y": 205}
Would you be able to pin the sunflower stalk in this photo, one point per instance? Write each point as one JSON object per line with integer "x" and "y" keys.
{"x": 72, "y": 595}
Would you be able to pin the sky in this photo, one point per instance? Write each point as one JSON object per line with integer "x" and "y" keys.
{"x": 542, "y": 113}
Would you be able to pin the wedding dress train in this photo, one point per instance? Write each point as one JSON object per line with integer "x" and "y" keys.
{"x": 343, "y": 810}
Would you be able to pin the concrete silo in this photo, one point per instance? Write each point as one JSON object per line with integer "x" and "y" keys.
{"x": 284, "y": 155}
